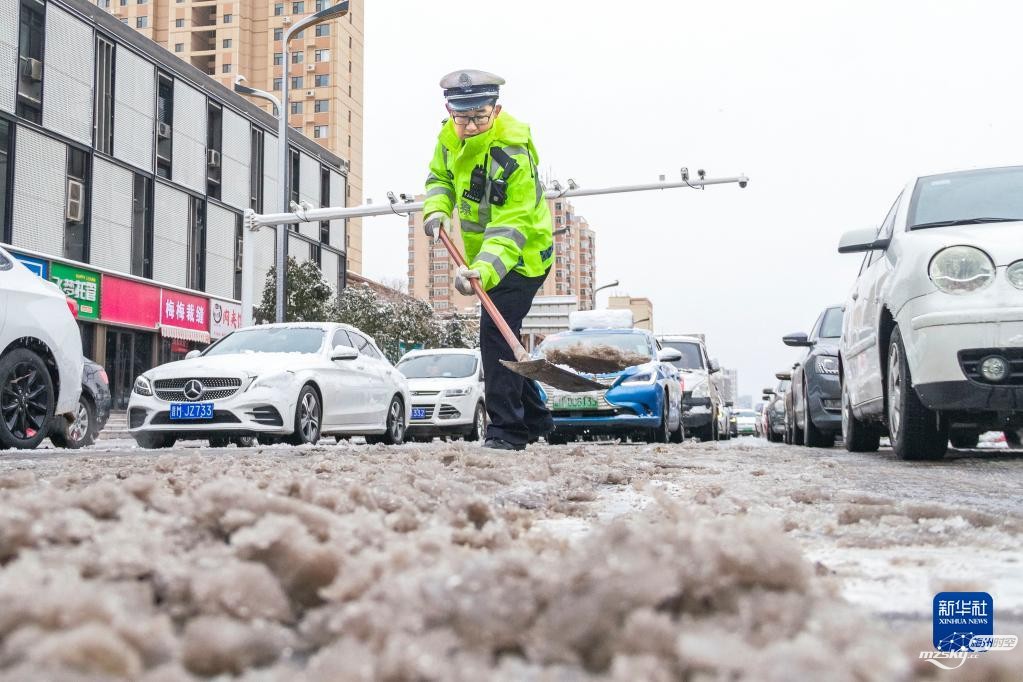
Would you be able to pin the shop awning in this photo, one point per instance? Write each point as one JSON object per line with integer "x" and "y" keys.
{"x": 172, "y": 332}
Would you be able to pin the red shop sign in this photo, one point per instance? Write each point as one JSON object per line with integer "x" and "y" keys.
{"x": 128, "y": 302}
{"x": 184, "y": 311}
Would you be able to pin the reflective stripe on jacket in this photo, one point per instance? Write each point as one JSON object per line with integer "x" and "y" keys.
{"x": 498, "y": 237}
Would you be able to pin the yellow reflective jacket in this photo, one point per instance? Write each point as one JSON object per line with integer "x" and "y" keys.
{"x": 506, "y": 224}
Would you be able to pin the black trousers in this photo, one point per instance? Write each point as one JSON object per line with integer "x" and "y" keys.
{"x": 513, "y": 402}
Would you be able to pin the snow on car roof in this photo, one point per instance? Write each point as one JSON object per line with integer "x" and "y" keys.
{"x": 440, "y": 351}
{"x": 600, "y": 319}
{"x": 678, "y": 338}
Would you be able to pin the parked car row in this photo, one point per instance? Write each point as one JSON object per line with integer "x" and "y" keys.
{"x": 928, "y": 347}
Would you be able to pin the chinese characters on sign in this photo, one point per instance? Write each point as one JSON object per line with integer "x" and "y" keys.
{"x": 184, "y": 310}
{"x": 225, "y": 318}
{"x": 81, "y": 285}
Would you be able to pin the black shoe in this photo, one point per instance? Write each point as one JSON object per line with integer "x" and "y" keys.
{"x": 498, "y": 444}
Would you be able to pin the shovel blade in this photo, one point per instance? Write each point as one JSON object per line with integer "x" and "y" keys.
{"x": 545, "y": 372}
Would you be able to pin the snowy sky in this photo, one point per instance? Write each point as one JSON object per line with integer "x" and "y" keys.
{"x": 829, "y": 107}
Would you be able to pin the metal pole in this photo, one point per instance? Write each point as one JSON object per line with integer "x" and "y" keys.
{"x": 281, "y": 262}
{"x": 402, "y": 209}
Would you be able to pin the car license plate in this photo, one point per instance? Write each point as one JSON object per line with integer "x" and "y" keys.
{"x": 191, "y": 411}
{"x": 419, "y": 413}
{"x": 575, "y": 402}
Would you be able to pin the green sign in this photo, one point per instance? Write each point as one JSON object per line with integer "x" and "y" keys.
{"x": 81, "y": 285}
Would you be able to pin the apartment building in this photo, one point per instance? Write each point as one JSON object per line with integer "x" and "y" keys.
{"x": 227, "y": 38}
{"x": 431, "y": 271}
{"x": 642, "y": 310}
{"x": 125, "y": 173}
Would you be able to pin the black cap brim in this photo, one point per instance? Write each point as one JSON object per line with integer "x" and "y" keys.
{"x": 470, "y": 103}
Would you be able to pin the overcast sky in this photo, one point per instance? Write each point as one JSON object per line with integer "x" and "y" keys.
{"x": 828, "y": 107}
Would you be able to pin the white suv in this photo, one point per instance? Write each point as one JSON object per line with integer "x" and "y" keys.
{"x": 447, "y": 393}
{"x": 932, "y": 339}
{"x": 704, "y": 413}
{"x": 40, "y": 355}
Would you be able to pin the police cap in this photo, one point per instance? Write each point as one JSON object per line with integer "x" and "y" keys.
{"x": 470, "y": 89}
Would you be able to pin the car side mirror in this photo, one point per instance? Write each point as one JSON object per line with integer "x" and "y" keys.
{"x": 669, "y": 355}
{"x": 858, "y": 241}
{"x": 344, "y": 353}
{"x": 798, "y": 339}
{"x": 783, "y": 376}
{"x": 192, "y": 354}
{"x": 715, "y": 366}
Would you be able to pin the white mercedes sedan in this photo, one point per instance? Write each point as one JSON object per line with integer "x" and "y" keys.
{"x": 294, "y": 382}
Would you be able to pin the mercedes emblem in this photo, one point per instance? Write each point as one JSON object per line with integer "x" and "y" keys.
{"x": 194, "y": 389}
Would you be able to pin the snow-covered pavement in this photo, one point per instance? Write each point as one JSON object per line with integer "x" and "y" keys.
{"x": 444, "y": 561}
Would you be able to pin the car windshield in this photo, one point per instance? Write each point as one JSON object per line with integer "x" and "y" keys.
{"x": 831, "y": 328}
{"x": 630, "y": 344}
{"x": 968, "y": 197}
{"x": 438, "y": 366}
{"x": 692, "y": 358}
{"x": 270, "y": 340}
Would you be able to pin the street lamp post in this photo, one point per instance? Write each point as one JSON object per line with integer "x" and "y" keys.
{"x": 604, "y": 286}
{"x": 326, "y": 14}
{"x": 248, "y": 266}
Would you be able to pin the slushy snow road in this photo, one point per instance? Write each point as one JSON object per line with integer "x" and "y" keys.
{"x": 735, "y": 560}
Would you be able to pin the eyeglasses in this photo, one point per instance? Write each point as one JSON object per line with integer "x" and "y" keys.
{"x": 478, "y": 120}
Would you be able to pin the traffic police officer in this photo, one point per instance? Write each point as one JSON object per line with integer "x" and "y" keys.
{"x": 485, "y": 167}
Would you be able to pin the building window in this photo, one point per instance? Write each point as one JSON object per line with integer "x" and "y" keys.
{"x": 297, "y": 57}
{"x": 322, "y": 80}
{"x": 196, "y": 244}
{"x": 238, "y": 227}
{"x": 164, "y": 125}
{"x": 142, "y": 227}
{"x": 297, "y": 7}
{"x": 179, "y": 23}
{"x": 6, "y": 177}
{"x": 278, "y": 9}
{"x": 141, "y": 2}
{"x": 322, "y": 30}
{"x": 141, "y": 22}
{"x": 323, "y": 55}
{"x": 278, "y": 34}
{"x": 296, "y": 107}
{"x": 278, "y": 58}
{"x": 214, "y": 147}
{"x": 296, "y": 82}
{"x": 294, "y": 179}
{"x": 104, "y": 96}
{"x": 227, "y": 43}
{"x": 225, "y": 68}
{"x": 324, "y": 202}
{"x": 322, "y": 4}
{"x": 321, "y": 106}
{"x": 319, "y": 132}
{"x": 256, "y": 171}
{"x": 228, "y": 18}
{"x": 179, "y": 47}
{"x": 30, "y": 61}
{"x": 278, "y": 83}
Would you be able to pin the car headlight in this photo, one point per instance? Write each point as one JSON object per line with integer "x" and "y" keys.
{"x": 701, "y": 390}
{"x": 961, "y": 270}
{"x": 455, "y": 392}
{"x": 827, "y": 365}
{"x": 143, "y": 386}
{"x": 1015, "y": 273}
{"x": 641, "y": 379}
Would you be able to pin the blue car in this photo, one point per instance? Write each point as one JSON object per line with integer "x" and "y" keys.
{"x": 642, "y": 402}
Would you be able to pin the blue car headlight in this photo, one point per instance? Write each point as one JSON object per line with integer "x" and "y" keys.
{"x": 640, "y": 379}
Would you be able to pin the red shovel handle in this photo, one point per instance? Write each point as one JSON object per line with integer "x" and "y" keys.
{"x": 509, "y": 336}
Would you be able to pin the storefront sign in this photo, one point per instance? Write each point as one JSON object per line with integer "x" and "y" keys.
{"x": 184, "y": 310}
{"x": 131, "y": 303}
{"x": 81, "y": 285}
{"x": 224, "y": 318}
{"x": 37, "y": 266}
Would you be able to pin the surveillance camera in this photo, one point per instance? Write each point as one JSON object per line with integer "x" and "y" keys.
{"x": 702, "y": 173}
{"x": 392, "y": 198}
{"x": 743, "y": 183}
{"x": 571, "y": 184}
{"x": 685, "y": 174}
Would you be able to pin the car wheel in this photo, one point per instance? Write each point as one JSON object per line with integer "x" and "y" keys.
{"x": 80, "y": 432}
{"x": 964, "y": 441}
{"x": 27, "y": 399}
{"x": 661, "y": 434}
{"x": 307, "y": 417}
{"x": 395, "y": 425}
{"x": 812, "y": 436}
{"x": 244, "y": 441}
{"x": 858, "y": 436}
{"x": 154, "y": 441}
{"x": 219, "y": 441}
{"x": 678, "y": 435}
{"x": 479, "y": 423}
{"x": 341, "y": 437}
{"x": 916, "y": 432}
{"x": 797, "y": 433}
{"x": 1012, "y": 438}
{"x": 556, "y": 439}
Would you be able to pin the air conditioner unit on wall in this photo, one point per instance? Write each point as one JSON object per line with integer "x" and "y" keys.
{"x": 74, "y": 210}
{"x": 164, "y": 130}
{"x": 310, "y": 93}
{"x": 310, "y": 67}
{"x": 32, "y": 69}
{"x": 213, "y": 158}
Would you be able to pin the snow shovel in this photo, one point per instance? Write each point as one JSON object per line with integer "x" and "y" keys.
{"x": 539, "y": 369}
